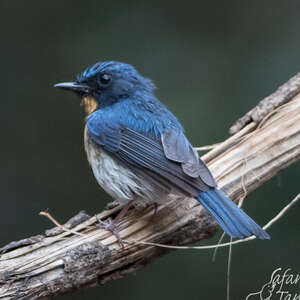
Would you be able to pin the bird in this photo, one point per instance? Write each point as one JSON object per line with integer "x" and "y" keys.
{"x": 138, "y": 150}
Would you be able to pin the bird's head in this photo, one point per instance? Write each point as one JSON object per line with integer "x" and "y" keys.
{"x": 106, "y": 83}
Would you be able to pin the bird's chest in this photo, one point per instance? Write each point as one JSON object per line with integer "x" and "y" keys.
{"x": 117, "y": 180}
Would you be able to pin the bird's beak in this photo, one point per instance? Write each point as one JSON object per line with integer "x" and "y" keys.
{"x": 73, "y": 86}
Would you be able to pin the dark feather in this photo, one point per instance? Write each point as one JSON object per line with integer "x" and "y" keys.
{"x": 177, "y": 148}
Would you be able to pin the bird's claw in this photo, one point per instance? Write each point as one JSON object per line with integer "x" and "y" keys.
{"x": 110, "y": 225}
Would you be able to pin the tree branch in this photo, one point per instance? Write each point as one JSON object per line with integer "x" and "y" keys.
{"x": 283, "y": 95}
{"x": 79, "y": 255}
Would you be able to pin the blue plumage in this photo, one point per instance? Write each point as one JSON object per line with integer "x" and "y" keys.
{"x": 230, "y": 217}
{"x": 138, "y": 150}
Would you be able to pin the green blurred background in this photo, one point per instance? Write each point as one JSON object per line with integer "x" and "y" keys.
{"x": 212, "y": 62}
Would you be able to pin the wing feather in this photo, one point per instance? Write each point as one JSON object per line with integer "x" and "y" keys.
{"x": 146, "y": 155}
{"x": 177, "y": 148}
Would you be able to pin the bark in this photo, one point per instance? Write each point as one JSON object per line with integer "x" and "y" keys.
{"x": 60, "y": 261}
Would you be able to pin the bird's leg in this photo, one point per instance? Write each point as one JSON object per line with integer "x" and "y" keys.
{"x": 111, "y": 225}
{"x": 123, "y": 212}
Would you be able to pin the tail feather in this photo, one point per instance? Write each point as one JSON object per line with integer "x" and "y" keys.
{"x": 241, "y": 220}
{"x": 229, "y": 216}
{"x": 221, "y": 217}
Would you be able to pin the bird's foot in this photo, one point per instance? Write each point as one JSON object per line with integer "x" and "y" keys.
{"x": 111, "y": 226}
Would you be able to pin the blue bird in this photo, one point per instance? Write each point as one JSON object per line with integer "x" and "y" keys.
{"x": 138, "y": 151}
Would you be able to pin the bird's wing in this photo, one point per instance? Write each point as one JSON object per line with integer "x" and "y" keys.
{"x": 177, "y": 148}
{"x": 152, "y": 156}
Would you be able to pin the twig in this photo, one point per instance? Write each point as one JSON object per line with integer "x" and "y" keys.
{"x": 207, "y": 147}
{"x": 48, "y": 215}
{"x": 216, "y": 249}
{"x": 228, "y": 271}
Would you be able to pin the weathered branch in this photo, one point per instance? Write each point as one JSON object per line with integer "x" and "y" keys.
{"x": 283, "y": 95}
{"x": 61, "y": 261}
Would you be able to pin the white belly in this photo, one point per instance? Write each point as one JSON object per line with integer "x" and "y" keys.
{"x": 118, "y": 181}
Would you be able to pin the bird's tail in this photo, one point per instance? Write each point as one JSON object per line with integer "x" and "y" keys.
{"x": 229, "y": 216}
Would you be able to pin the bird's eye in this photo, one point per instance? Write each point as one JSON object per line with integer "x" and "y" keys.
{"x": 105, "y": 79}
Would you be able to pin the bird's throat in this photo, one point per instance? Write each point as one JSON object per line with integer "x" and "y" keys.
{"x": 90, "y": 104}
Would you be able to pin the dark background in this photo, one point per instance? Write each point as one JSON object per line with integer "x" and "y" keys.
{"x": 212, "y": 62}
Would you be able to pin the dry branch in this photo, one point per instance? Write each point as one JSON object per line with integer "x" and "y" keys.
{"x": 82, "y": 255}
{"x": 283, "y": 95}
